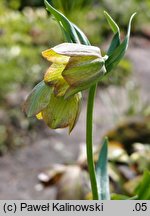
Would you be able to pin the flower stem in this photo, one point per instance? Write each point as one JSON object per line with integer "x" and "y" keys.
{"x": 89, "y": 144}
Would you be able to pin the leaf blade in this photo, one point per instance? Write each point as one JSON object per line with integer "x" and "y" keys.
{"x": 64, "y": 23}
{"x": 112, "y": 23}
{"x": 82, "y": 37}
{"x": 119, "y": 52}
{"x": 102, "y": 173}
{"x": 114, "y": 44}
{"x": 143, "y": 189}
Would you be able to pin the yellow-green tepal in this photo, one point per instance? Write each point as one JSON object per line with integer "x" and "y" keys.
{"x": 74, "y": 67}
{"x": 57, "y": 112}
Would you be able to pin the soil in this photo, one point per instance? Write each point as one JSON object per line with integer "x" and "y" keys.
{"x": 19, "y": 169}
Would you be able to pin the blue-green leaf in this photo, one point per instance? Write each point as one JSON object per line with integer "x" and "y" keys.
{"x": 119, "y": 52}
{"x": 102, "y": 173}
{"x": 38, "y": 99}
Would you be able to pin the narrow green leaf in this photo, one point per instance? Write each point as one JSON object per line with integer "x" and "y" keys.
{"x": 112, "y": 23}
{"x": 102, "y": 173}
{"x": 115, "y": 196}
{"x": 116, "y": 38}
{"x": 66, "y": 34}
{"x": 143, "y": 189}
{"x": 116, "y": 56}
{"x": 133, "y": 198}
{"x": 83, "y": 39}
{"x": 119, "y": 52}
{"x": 114, "y": 44}
{"x": 38, "y": 99}
{"x": 71, "y": 32}
{"x": 64, "y": 23}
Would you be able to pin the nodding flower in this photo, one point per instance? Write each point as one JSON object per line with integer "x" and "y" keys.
{"x": 74, "y": 67}
{"x": 56, "y": 112}
{"x": 57, "y": 99}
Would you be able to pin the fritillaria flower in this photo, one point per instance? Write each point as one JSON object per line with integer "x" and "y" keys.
{"x": 57, "y": 99}
{"x": 74, "y": 67}
{"x": 57, "y": 112}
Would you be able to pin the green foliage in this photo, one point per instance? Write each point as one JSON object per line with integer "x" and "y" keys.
{"x": 66, "y": 26}
{"x": 115, "y": 196}
{"x": 119, "y": 49}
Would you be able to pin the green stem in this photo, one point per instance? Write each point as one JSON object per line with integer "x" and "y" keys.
{"x": 89, "y": 144}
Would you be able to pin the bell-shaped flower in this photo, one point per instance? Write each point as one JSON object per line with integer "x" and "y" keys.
{"x": 57, "y": 112}
{"x": 74, "y": 67}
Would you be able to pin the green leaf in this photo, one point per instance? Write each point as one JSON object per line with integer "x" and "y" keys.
{"x": 71, "y": 32}
{"x": 119, "y": 52}
{"x": 115, "y": 196}
{"x": 143, "y": 189}
{"x": 83, "y": 39}
{"x": 102, "y": 173}
{"x": 114, "y": 44}
{"x": 112, "y": 23}
{"x": 38, "y": 99}
{"x": 64, "y": 23}
{"x": 116, "y": 38}
{"x": 116, "y": 56}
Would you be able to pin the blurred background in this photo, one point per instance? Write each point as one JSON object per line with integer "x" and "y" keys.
{"x": 39, "y": 163}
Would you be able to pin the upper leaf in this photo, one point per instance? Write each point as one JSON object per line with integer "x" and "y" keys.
{"x": 112, "y": 23}
{"x": 114, "y": 44}
{"x": 83, "y": 39}
{"x": 117, "y": 54}
{"x": 64, "y": 23}
{"x": 71, "y": 32}
{"x": 116, "y": 38}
